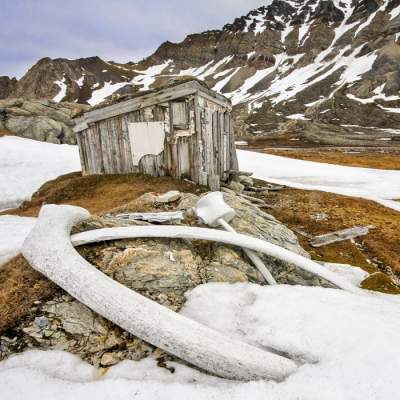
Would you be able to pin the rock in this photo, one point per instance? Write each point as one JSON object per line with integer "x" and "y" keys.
{"x": 168, "y": 197}
{"x": 109, "y": 359}
{"x": 42, "y": 322}
{"x": 187, "y": 201}
{"x": 39, "y": 119}
{"x": 156, "y": 268}
{"x": 236, "y": 187}
{"x": 76, "y": 318}
{"x": 147, "y": 199}
{"x": 247, "y": 181}
{"x": 7, "y": 86}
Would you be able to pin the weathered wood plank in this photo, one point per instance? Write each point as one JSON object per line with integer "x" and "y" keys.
{"x": 150, "y": 99}
{"x": 339, "y": 236}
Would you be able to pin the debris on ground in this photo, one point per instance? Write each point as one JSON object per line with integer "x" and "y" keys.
{"x": 339, "y": 236}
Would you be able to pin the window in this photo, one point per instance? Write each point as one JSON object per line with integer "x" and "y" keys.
{"x": 180, "y": 115}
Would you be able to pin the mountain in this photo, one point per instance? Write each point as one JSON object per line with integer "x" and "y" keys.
{"x": 330, "y": 66}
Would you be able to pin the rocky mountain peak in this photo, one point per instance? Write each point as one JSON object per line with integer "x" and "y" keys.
{"x": 333, "y": 62}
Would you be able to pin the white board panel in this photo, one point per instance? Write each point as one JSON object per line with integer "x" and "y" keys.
{"x": 146, "y": 138}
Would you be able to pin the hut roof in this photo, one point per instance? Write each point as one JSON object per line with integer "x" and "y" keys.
{"x": 136, "y": 101}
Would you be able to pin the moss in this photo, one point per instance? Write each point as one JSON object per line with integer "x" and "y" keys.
{"x": 380, "y": 282}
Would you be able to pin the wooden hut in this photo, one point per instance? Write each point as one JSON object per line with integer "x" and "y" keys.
{"x": 183, "y": 131}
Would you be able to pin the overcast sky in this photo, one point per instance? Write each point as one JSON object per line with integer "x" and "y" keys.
{"x": 119, "y": 30}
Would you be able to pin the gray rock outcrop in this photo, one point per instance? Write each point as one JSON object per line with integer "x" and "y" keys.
{"x": 41, "y": 120}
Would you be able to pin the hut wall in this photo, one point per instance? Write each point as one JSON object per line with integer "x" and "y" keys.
{"x": 199, "y": 143}
{"x": 217, "y": 153}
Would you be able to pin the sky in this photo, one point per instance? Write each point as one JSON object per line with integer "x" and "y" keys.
{"x": 118, "y": 30}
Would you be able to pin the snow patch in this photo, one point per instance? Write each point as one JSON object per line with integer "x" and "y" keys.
{"x": 63, "y": 90}
{"x": 221, "y": 84}
{"x": 107, "y": 90}
{"x": 382, "y": 186}
{"x": 26, "y": 164}
{"x": 298, "y": 116}
{"x": 395, "y": 12}
{"x": 13, "y": 232}
{"x": 80, "y": 80}
{"x": 148, "y": 76}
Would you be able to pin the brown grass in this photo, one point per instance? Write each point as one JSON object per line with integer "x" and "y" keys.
{"x": 381, "y": 246}
{"x": 100, "y": 194}
{"x": 20, "y": 287}
{"x": 380, "y": 160}
{"x": 5, "y": 132}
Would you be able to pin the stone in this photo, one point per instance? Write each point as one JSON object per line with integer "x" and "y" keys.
{"x": 39, "y": 120}
{"x": 109, "y": 359}
{"x": 42, "y": 322}
{"x": 247, "y": 181}
{"x": 168, "y": 197}
{"x": 76, "y": 318}
{"x": 236, "y": 187}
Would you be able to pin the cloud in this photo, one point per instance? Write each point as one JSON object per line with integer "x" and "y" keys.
{"x": 119, "y": 30}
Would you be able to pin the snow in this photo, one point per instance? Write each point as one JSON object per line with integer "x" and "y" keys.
{"x": 195, "y": 71}
{"x": 354, "y": 275}
{"x": 378, "y": 95}
{"x": 63, "y": 90}
{"x": 26, "y": 164}
{"x": 381, "y": 186}
{"x": 148, "y": 76}
{"x": 101, "y": 94}
{"x": 259, "y": 27}
{"x": 395, "y": 12}
{"x": 221, "y": 84}
{"x": 145, "y": 78}
{"x": 79, "y": 81}
{"x": 348, "y": 347}
{"x": 395, "y": 110}
{"x": 286, "y": 87}
{"x": 13, "y": 231}
{"x": 298, "y": 116}
{"x": 215, "y": 67}
{"x": 303, "y": 30}
{"x": 286, "y": 32}
{"x": 240, "y": 94}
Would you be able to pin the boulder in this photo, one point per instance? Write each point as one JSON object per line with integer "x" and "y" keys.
{"x": 40, "y": 119}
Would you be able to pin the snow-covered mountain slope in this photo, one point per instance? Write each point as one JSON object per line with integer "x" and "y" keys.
{"x": 329, "y": 61}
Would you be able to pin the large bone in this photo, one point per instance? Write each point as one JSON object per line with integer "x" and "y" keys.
{"x": 235, "y": 239}
{"x": 213, "y": 211}
{"x": 49, "y": 250}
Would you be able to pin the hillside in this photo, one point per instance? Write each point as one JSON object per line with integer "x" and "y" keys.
{"x": 318, "y": 68}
